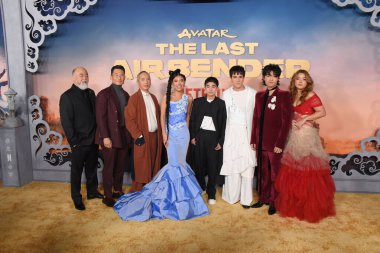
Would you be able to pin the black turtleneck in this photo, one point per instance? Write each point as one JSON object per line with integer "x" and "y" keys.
{"x": 120, "y": 94}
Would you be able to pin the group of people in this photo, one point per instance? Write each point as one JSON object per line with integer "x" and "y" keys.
{"x": 272, "y": 130}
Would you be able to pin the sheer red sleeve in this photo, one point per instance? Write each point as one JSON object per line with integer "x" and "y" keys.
{"x": 315, "y": 101}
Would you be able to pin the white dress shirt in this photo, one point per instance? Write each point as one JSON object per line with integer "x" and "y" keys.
{"x": 150, "y": 111}
{"x": 207, "y": 123}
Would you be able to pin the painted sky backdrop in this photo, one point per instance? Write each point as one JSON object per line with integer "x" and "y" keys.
{"x": 338, "y": 43}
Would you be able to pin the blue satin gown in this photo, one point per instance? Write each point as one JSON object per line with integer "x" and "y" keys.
{"x": 174, "y": 192}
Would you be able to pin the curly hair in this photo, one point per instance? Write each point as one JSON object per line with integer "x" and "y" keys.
{"x": 172, "y": 75}
{"x": 293, "y": 89}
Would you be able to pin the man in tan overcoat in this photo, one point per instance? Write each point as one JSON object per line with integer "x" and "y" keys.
{"x": 142, "y": 119}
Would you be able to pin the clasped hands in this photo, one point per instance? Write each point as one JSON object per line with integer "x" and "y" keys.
{"x": 299, "y": 122}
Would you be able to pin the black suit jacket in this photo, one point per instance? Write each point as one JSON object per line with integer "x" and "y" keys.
{"x": 77, "y": 112}
{"x": 216, "y": 109}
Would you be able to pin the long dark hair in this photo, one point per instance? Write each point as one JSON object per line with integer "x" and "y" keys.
{"x": 172, "y": 75}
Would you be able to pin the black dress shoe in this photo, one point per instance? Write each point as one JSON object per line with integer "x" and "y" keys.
{"x": 95, "y": 195}
{"x": 108, "y": 202}
{"x": 272, "y": 210}
{"x": 258, "y": 204}
{"x": 245, "y": 206}
{"x": 117, "y": 195}
{"x": 79, "y": 206}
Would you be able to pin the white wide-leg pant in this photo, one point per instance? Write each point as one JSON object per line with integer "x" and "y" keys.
{"x": 237, "y": 188}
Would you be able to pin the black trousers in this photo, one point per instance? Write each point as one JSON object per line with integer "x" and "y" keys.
{"x": 87, "y": 157}
{"x": 206, "y": 161}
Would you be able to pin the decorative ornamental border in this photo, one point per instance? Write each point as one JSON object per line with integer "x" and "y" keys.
{"x": 363, "y": 161}
{"x": 40, "y": 20}
{"x": 367, "y": 6}
{"x": 47, "y": 144}
{"x": 44, "y": 141}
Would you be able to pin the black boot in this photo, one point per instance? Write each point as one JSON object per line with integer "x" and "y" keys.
{"x": 272, "y": 210}
{"x": 79, "y": 205}
{"x": 108, "y": 202}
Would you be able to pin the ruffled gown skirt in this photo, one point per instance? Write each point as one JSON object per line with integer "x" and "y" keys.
{"x": 173, "y": 193}
{"x": 304, "y": 184}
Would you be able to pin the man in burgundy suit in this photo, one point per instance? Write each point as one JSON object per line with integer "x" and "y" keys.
{"x": 271, "y": 124}
{"x": 112, "y": 135}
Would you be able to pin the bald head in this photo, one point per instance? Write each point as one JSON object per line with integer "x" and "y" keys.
{"x": 143, "y": 80}
{"x": 79, "y": 68}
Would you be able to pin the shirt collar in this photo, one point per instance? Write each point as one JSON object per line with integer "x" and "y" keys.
{"x": 144, "y": 93}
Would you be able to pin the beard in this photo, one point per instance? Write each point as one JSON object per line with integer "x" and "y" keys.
{"x": 82, "y": 85}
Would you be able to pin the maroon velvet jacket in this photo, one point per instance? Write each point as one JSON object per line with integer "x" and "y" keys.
{"x": 108, "y": 119}
{"x": 277, "y": 122}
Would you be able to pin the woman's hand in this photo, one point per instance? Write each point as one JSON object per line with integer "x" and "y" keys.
{"x": 299, "y": 123}
{"x": 165, "y": 139}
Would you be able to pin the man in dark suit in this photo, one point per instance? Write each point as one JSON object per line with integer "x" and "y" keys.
{"x": 77, "y": 111}
{"x": 207, "y": 129}
{"x": 112, "y": 135}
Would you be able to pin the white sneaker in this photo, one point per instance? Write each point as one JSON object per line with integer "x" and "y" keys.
{"x": 212, "y": 201}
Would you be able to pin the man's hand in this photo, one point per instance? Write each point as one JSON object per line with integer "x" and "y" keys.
{"x": 107, "y": 142}
{"x": 165, "y": 139}
{"x": 193, "y": 141}
{"x": 253, "y": 146}
{"x": 218, "y": 147}
{"x": 277, "y": 150}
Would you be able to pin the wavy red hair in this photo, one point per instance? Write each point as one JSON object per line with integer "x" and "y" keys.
{"x": 293, "y": 89}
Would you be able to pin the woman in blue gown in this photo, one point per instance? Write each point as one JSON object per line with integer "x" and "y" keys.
{"x": 174, "y": 192}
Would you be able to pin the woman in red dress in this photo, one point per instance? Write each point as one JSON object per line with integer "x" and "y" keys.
{"x": 304, "y": 184}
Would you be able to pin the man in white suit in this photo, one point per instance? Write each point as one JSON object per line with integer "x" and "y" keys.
{"x": 239, "y": 159}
